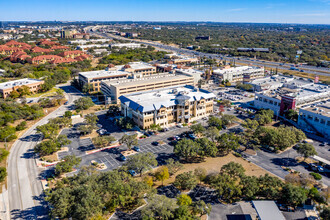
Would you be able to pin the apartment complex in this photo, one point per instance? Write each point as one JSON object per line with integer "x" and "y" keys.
{"x": 316, "y": 118}
{"x": 234, "y": 74}
{"x": 94, "y": 78}
{"x": 7, "y": 88}
{"x": 115, "y": 88}
{"x": 183, "y": 104}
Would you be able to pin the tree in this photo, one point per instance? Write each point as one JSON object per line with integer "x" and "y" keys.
{"x": 68, "y": 114}
{"x": 207, "y": 147}
{"x": 83, "y": 103}
{"x": 50, "y": 146}
{"x": 201, "y": 208}
{"x": 14, "y": 94}
{"x": 129, "y": 140}
{"x": 293, "y": 195}
{"x": 21, "y": 126}
{"x": 162, "y": 174}
{"x": 306, "y": 150}
{"x": 200, "y": 173}
{"x": 85, "y": 129}
{"x": 228, "y": 142}
{"x": 103, "y": 141}
{"x": 23, "y": 91}
{"x": 113, "y": 110}
{"x": 264, "y": 116}
{"x": 212, "y": 133}
{"x": 3, "y": 173}
{"x": 325, "y": 213}
{"x": 148, "y": 180}
{"x": 228, "y": 119}
{"x": 49, "y": 130}
{"x": 185, "y": 180}
{"x": 186, "y": 148}
{"x": 159, "y": 207}
{"x": 215, "y": 122}
{"x": 3, "y": 154}
{"x": 91, "y": 120}
{"x": 173, "y": 166}
{"x": 228, "y": 188}
{"x": 234, "y": 170}
{"x": 141, "y": 162}
{"x": 184, "y": 199}
{"x": 291, "y": 115}
{"x": 65, "y": 166}
{"x": 8, "y": 133}
{"x": 198, "y": 129}
{"x": 154, "y": 127}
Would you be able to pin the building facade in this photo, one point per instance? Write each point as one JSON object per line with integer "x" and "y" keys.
{"x": 165, "y": 107}
{"x": 234, "y": 74}
{"x": 113, "y": 89}
{"x": 7, "y": 88}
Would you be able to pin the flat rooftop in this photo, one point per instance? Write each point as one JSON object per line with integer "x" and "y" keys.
{"x": 267, "y": 210}
{"x": 136, "y": 66}
{"x": 155, "y": 99}
{"x": 102, "y": 73}
{"x": 322, "y": 109}
{"x": 155, "y": 78}
{"x": 237, "y": 69}
{"x": 190, "y": 71}
{"x": 19, "y": 82}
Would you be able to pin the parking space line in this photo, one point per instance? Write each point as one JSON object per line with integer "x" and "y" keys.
{"x": 108, "y": 161}
{"x": 116, "y": 162}
{"x": 150, "y": 149}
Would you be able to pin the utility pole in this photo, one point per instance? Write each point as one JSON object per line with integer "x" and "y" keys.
{"x": 6, "y": 140}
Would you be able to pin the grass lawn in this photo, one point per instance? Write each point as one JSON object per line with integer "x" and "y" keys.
{"x": 43, "y": 94}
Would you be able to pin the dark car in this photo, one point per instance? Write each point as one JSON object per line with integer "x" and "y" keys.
{"x": 122, "y": 158}
{"x": 136, "y": 148}
{"x": 147, "y": 134}
{"x": 155, "y": 143}
{"x": 171, "y": 138}
{"x": 172, "y": 143}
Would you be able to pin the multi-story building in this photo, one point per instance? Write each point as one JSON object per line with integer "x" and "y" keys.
{"x": 7, "y": 88}
{"x": 127, "y": 45}
{"x": 165, "y": 107}
{"x": 196, "y": 74}
{"x": 315, "y": 119}
{"x": 94, "y": 78}
{"x": 283, "y": 99}
{"x": 234, "y": 74}
{"x": 139, "y": 69}
{"x": 113, "y": 89}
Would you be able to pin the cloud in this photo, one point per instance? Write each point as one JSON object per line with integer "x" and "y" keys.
{"x": 236, "y": 9}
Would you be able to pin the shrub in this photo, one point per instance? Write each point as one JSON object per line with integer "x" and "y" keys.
{"x": 316, "y": 176}
{"x": 3, "y": 173}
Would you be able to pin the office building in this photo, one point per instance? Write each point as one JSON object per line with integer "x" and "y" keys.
{"x": 316, "y": 118}
{"x": 139, "y": 69}
{"x": 127, "y": 45}
{"x": 284, "y": 98}
{"x": 196, "y": 74}
{"x": 94, "y": 78}
{"x": 165, "y": 107}
{"x": 7, "y": 88}
{"x": 116, "y": 88}
{"x": 234, "y": 74}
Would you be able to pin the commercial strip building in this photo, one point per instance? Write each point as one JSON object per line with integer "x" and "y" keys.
{"x": 7, "y": 88}
{"x": 316, "y": 118}
{"x": 241, "y": 73}
{"x": 113, "y": 89}
{"x": 164, "y": 107}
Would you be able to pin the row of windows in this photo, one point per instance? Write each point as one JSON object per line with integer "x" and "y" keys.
{"x": 269, "y": 101}
{"x": 318, "y": 120}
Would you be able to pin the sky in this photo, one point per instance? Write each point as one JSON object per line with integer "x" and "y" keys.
{"x": 258, "y": 11}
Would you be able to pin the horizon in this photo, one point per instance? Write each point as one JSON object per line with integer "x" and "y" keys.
{"x": 224, "y": 11}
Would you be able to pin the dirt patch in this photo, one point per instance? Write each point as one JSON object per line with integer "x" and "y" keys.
{"x": 213, "y": 165}
{"x": 91, "y": 135}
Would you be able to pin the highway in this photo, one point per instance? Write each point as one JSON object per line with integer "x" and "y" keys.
{"x": 24, "y": 181}
{"x": 286, "y": 66}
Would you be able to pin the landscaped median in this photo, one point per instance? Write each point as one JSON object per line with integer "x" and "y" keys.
{"x": 103, "y": 148}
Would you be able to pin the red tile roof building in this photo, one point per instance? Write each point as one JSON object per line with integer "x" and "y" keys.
{"x": 40, "y": 50}
{"x": 13, "y": 43}
{"x": 72, "y": 54}
{"x": 5, "y": 50}
{"x": 58, "y": 47}
{"x": 19, "y": 56}
{"x": 48, "y": 43}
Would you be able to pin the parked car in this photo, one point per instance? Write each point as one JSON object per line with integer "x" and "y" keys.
{"x": 147, "y": 134}
{"x": 179, "y": 125}
{"x": 136, "y": 148}
{"x": 323, "y": 144}
{"x": 65, "y": 103}
{"x": 132, "y": 172}
{"x": 99, "y": 125}
{"x": 122, "y": 158}
{"x": 192, "y": 136}
{"x": 155, "y": 143}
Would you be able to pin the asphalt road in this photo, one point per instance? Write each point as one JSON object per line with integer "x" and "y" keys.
{"x": 24, "y": 182}
{"x": 307, "y": 69}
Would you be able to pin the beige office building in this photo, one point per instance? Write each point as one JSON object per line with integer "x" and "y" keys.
{"x": 166, "y": 107}
{"x": 115, "y": 88}
{"x": 7, "y": 88}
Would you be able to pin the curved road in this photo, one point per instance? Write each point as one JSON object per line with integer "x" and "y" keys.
{"x": 24, "y": 181}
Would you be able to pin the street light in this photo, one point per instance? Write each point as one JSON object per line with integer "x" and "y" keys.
{"x": 6, "y": 140}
